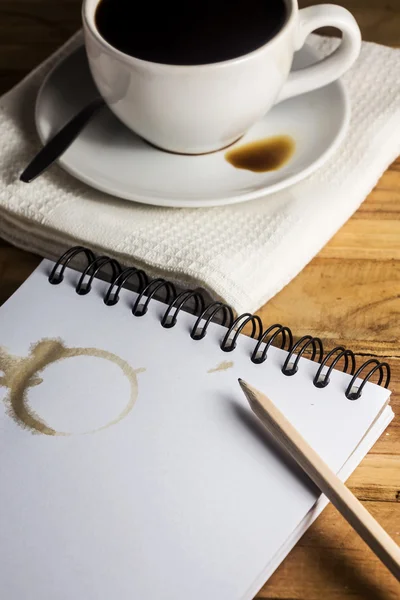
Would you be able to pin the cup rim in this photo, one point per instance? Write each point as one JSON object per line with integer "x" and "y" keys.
{"x": 90, "y": 25}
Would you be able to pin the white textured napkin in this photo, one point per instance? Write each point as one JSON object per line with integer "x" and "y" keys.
{"x": 243, "y": 253}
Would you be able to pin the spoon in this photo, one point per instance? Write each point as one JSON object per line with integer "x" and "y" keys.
{"x": 61, "y": 141}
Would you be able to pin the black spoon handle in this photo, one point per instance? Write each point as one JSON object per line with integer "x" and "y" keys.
{"x": 61, "y": 141}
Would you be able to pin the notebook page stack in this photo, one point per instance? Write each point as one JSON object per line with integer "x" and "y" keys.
{"x": 130, "y": 463}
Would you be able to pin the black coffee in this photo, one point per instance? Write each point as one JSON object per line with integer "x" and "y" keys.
{"x": 189, "y": 32}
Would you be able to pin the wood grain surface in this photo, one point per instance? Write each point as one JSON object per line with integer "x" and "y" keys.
{"x": 349, "y": 293}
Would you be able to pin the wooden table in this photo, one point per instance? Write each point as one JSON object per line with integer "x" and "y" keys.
{"x": 350, "y": 293}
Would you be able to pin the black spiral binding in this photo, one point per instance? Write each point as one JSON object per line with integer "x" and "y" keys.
{"x": 147, "y": 290}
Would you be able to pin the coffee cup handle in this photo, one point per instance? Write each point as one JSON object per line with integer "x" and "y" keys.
{"x": 332, "y": 67}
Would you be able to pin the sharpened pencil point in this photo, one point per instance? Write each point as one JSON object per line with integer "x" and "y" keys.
{"x": 242, "y": 384}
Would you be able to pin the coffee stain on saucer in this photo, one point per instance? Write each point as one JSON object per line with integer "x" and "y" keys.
{"x": 260, "y": 156}
{"x": 23, "y": 372}
{"x": 224, "y": 366}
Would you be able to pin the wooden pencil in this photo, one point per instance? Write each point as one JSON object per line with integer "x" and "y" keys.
{"x": 324, "y": 478}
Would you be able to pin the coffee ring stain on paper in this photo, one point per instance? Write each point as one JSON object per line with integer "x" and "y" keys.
{"x": 22, "y": 373}
{"x": 260, "y": 156}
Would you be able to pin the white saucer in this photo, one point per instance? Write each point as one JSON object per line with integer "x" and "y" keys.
{"x": 109, "y": 157}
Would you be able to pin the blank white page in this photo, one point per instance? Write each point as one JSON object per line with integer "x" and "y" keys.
{"x": 166, "y": 485}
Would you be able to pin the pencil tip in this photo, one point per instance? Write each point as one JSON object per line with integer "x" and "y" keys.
{"x": 243, "y": 385}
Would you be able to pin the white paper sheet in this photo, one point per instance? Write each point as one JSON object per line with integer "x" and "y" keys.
{"x": 185, "y": 496}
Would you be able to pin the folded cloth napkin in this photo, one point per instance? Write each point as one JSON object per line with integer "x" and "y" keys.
{"x": 243, "y": 254}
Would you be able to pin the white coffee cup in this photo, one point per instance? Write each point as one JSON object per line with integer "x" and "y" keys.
{"x": 202, "y": 108}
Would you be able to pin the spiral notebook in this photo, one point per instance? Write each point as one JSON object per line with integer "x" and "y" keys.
{"x": 130, "y": 463}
